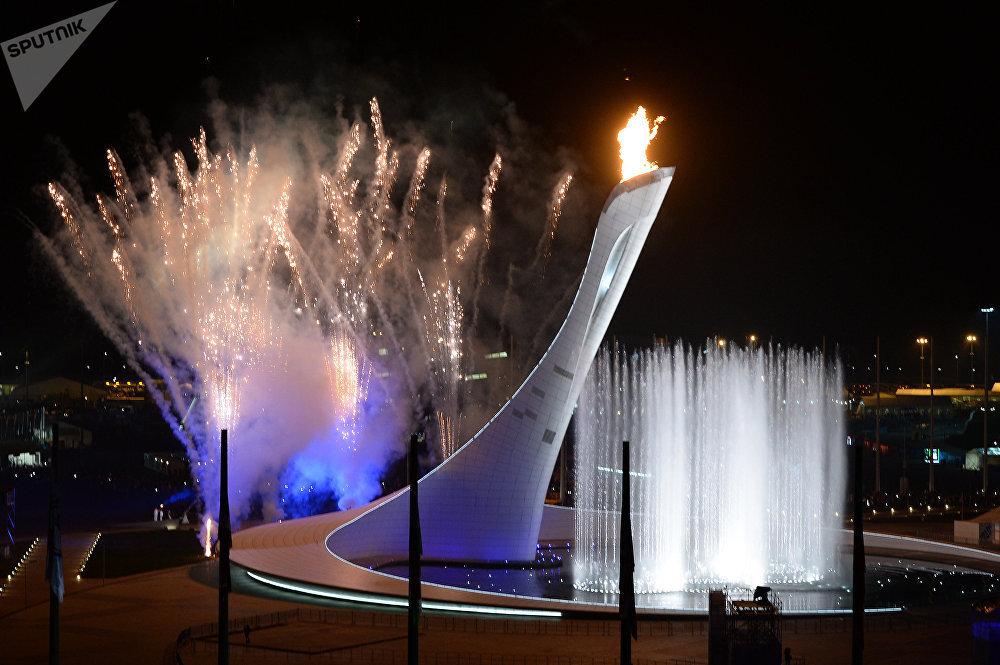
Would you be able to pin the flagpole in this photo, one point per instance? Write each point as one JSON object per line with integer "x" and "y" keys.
{"x": 416, "y": 549}
{"x": 53, "y": 563}
{"x": 858, "y": 563}
{"x": 225, "y": 543}
{"x": 626, "y": 583}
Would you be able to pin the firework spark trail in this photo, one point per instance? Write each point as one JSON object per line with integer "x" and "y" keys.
{"x": 489, "y": 187}
{"x": 109, "y": 314}
{"x": 61, "y": 198}
{"x": 413, "y": 195}
{"x": 439, "y": 219}
{"x": 210, "y": 306}
{"x": 123, "y": 188}
{"x": 349, "y": 374}
{"x": 109, "y": 217}
{"x": 462, "y": 249}
{"x": 544, "y": 249}
{"x": 406, "y": 238}
{"x": 200, "y": 281}
{"x": 443, "y": 329}
{"x": 386, "y": 167}
{"x": 447, "y": 432}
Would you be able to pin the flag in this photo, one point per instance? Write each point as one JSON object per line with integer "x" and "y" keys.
{"x": 53, "y": 556}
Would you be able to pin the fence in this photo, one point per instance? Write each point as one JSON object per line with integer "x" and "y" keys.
{"x": 199, "y": 641}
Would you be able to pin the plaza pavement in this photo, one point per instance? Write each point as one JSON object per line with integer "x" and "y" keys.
{"x": 138, "y": 619}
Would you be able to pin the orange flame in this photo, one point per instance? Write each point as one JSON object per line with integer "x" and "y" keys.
{"x": 634, "y": 139}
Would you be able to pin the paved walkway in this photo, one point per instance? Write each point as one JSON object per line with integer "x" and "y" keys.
{"x": 28, "y": 586}
{"x": 138, "y": 619}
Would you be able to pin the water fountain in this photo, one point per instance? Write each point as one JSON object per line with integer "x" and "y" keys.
{"x": 737, "y": 467}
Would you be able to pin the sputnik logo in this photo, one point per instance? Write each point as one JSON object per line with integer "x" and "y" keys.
{"x": 35, "y": 57}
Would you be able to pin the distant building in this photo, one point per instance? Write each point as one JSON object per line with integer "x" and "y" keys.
{"x": 55, "y": 388}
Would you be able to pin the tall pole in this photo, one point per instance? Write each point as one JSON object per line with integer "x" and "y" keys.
{"x": 921, "y": 342}
{"x": 53, "y": 557}
{"x": 225, "y": 543}
{"x": 930, "y": 477}
{"x": 416, "y": 550}
{"x": 904, "y": 485}
{"x": 562, "y": 474}
{"x": 878, "y": 410}
{"x": 972, "y": 361}
{"x": 858, "y": 599}
{"x": 626, "y": 559}
{"x": 986, "y": 400}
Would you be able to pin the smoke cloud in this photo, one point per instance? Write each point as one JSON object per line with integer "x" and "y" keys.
{"x": 307, "y": 277}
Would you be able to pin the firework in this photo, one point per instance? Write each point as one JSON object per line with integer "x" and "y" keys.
{"x": 198, "y": 275}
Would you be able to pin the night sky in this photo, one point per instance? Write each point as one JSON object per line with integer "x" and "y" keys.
{"x": 835, "y": 166}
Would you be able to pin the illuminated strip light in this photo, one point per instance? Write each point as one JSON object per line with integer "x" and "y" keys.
{"x": 17, "y": 568}
{"x": 400, "y": 602}
{"x": 868, "y": 610}
{"x": 978, "y": 554}
{"x": 505, "y": 611}
{"x": 89, "y": 554}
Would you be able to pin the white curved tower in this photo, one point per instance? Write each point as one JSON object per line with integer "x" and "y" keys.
{"x": 484, "y": 503}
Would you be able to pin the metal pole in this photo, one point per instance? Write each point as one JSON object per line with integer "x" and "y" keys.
{"x": 986, "y": 402}
{"x": 921, "y": 365}
{"x": 54, "y": 554}
{"x": 972, "y": 363}
{"x": 930, "y": 481}
{"x": 905, "y": 485}
{"x": 626, "y": 560}
{"x": 562, "y": 474}
{"x": 858, "y": 596}
{"x": 225, "y": 543}
{"x": 416, "y": 550}
{"x": 878, "y": 410}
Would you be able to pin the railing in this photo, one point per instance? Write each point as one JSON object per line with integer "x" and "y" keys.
{"x": 199, "y": 640}
{"x": 255, "y": 654}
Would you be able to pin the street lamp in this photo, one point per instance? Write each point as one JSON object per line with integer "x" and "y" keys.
{"x": 753, "y": 342}
{"x": 930, "y": 479}
{"x": 971, "y": 339}
{"x": 921, "y": 341}
{"x": 986, "y": 398}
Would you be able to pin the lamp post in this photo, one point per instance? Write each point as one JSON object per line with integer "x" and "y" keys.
{"x": 986, "y": 399}
{"x": 971, "y": 339}
{"x": 930, "y": 477}
{"x": 921, "y": 341}
{"x": 878, "y": 411}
